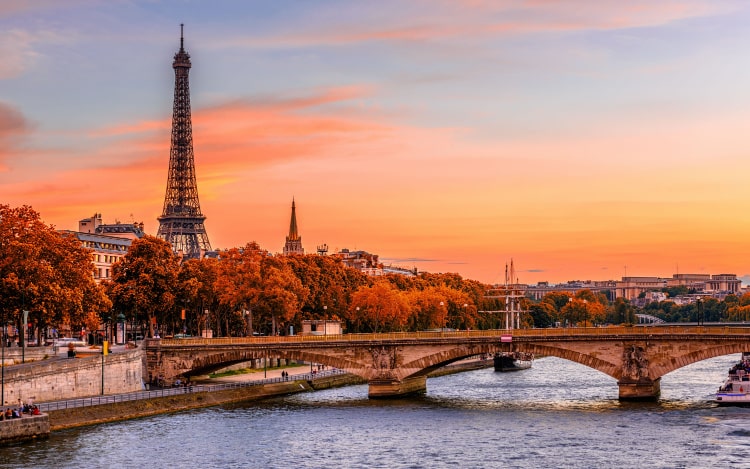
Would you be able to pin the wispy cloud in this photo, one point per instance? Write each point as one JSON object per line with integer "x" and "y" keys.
{"x": 17, "y": 51}
{"x": 482, "y": 19}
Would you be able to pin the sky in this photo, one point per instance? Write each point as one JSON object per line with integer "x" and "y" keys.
{"x": 582, "y": 139}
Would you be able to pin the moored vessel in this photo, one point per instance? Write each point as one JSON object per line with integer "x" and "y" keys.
{"x": 507, "y": 302}
{"x": 512, "y": 361}
{"x": 736, "y": 388}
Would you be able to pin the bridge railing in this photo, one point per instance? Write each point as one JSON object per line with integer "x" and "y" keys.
{"x": 499, "y": 333}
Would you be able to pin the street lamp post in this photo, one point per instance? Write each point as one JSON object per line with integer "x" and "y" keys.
{"x": 23, "y": 336}
{"x": 585, "y": 313}
{"x": 136, "y": 326}
{"x": 121, "y": 319}
{"x": 325, "y": 319}
{"x": 2, "y": 365}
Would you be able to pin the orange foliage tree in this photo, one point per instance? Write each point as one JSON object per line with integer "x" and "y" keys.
{"x": 144, "y": 282}
{"x": 45, "y": 272}
{"x": 379, "y": 307}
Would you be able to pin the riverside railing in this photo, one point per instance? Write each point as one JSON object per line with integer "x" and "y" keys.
{"x": 176, "y": 391}
{"x": 499, "y": 333}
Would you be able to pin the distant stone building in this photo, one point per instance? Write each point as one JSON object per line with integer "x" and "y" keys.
{"x": 293, "y": 243}
{"x": 360, "y": 260}
{"x": 108, "y": 242}
{"x": 321, "y": 327}
{"x": 370, "y": 264}
{"x": 541, "y": 289}
{"x": 717, "y": 286}
{"x": 630, "y": 288}
{"x": 724, "y": 283}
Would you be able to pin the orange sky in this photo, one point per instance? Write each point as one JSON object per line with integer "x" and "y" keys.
{"x": 581, "y": 142}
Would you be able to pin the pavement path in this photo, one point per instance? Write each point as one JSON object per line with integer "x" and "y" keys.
{"x": 261, "y": 374}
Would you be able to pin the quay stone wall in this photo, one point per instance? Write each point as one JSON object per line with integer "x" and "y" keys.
{"x": 69, "y": 378}
{"x": 25, "y": 428}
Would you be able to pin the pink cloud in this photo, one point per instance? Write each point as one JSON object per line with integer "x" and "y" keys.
{"x": 13, "y": 127}
{"x": 130, "y": 160}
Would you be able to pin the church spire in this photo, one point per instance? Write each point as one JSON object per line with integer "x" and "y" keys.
{"x": 293, "y": 234}
{"x": 293, "y": 243}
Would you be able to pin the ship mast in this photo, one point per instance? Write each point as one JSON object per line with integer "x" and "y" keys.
{"x": 509, "y": 295}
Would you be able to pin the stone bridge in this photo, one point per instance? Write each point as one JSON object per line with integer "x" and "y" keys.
{"x": 398, "y": 363}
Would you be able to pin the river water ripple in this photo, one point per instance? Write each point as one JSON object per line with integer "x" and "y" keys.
{"x": 557, "y": 414}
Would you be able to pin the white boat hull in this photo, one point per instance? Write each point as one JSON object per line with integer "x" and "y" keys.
{"x": 736, "y": 388}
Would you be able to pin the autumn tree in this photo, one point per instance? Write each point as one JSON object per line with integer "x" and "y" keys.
{"x": 256, "y": 285}
{"x": 428, "y": 308}
{"x": 45, "y": 272}
{"x": 281, "y": 293}
{"x": 197, "y": 292}
{"x": 738, "y": 309}
{"x": 380, "y": 307}
{"x": 144, "y": 281}
{"x": 585, "y": 308}
{"x": 330, "y": 285}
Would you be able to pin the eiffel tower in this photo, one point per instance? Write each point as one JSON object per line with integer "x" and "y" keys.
{"x": 181, "y": 222}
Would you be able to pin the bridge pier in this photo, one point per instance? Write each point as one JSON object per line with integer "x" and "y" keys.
{"x": 640, "y": 391}
{"x": 387, "y": 388}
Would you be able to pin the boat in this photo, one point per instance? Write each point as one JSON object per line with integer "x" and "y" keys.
{"x": 505, "y": 301}
{"x": 736, "y": 388}
{"x": 512, "y": 361}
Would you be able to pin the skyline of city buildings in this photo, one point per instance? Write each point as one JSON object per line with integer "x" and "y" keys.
{"x": 109, "y": 242}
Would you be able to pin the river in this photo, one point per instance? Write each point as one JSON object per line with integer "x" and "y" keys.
{"x": 557, "y": 414}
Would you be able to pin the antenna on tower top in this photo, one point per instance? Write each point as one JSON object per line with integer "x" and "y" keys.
{"x": 182, "y": 40}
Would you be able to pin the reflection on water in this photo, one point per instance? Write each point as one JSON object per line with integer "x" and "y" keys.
{"x": 557, "y": 414}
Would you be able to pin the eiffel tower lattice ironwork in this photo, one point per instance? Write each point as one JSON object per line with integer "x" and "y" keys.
{"x": 181, "y": 222}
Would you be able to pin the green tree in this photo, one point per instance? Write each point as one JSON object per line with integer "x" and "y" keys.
{"x": 542, "y": 314}
{"x": 623, "y": 312}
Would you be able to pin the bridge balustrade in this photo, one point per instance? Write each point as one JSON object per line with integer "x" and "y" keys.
{"x": 397, "y": 363}
{"x": 531, "y": 333}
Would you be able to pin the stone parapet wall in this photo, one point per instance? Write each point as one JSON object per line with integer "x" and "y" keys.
{"x": 15, "y": 355}
{"x": 26, "y": 428}
{"x": 62, "y": 378}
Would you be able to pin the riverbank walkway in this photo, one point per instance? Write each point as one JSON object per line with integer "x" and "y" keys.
{"x": 228, "y": 383}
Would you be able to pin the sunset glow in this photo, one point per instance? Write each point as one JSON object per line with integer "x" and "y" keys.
{"x": 585, "y": 140}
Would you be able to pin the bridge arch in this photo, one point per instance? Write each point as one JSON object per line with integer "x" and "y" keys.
{"x": 205, "y": 363}
{"x": 423, "y": 366}
{"x": 637, "y": 357}
{"x": 663, "y": 367}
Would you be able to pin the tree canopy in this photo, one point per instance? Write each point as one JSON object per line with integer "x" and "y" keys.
{"x": 45, "y": 272}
